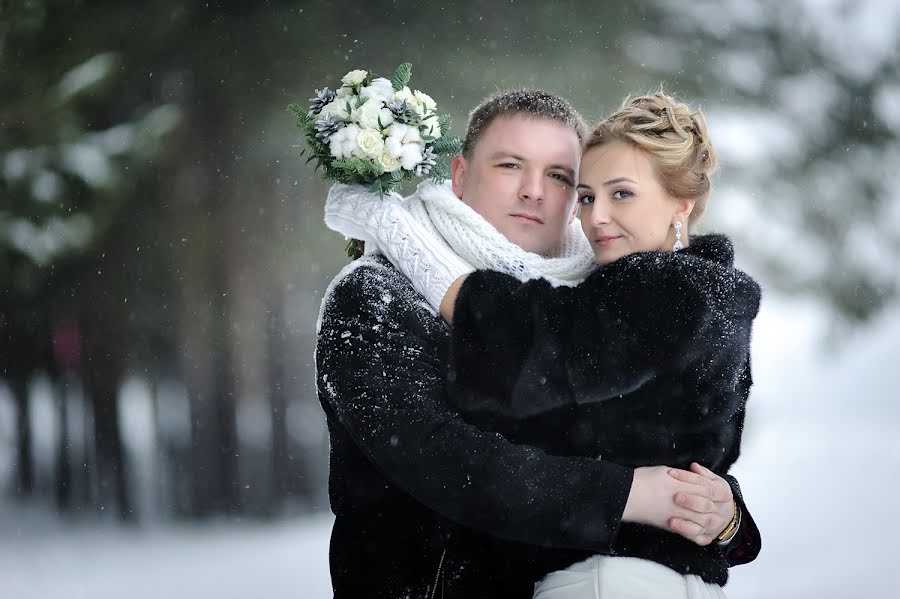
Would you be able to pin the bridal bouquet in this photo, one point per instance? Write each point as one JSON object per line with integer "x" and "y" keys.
{"x": 377, "y": 132}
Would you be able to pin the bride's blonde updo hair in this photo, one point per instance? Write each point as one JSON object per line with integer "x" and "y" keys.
{"x": 673, "y": 135}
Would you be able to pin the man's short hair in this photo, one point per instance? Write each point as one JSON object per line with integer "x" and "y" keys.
{"x": 532, "y": 102}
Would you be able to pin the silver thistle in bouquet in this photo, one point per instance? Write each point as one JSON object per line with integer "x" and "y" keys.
{"x": 377, "y": 132}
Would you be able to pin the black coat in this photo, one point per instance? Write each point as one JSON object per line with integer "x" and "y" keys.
{"x": 414, "y": 488}
{"x": 645, "y": 363}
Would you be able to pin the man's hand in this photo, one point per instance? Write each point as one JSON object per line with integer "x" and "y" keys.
{"x": 696, "y": 504}
{"x": 708, "y": 511}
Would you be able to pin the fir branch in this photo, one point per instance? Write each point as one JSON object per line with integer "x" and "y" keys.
{"x": 359, "y": 166}
{"x": 444, "y": 121}
{"x": 448, "y": 146}
{"x": 401, "y": 76}
{"x": 439, "y": 172}
{"x": 300, "y": 118}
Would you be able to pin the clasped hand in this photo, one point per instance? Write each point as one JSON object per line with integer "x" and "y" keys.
{"x": 696, "y": 504}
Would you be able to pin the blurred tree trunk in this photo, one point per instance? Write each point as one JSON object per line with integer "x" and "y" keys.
{"x": 63, "y": 448}
{"x": 24, "y": 458}
{"x": 204, "y": 363}
{"x": 67, "y": 360}
{"x": 105, "y": 348}
{"x": 249, "y": 219}
{"x": 282, "y": 466}
{"x": 24, "y": 351}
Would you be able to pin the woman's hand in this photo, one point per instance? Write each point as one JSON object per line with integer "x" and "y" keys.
{"x": 708, "y": 512}
{"x": 696, "y": 504}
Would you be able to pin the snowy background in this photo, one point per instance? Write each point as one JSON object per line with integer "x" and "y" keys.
{"x": 152, "y": 203}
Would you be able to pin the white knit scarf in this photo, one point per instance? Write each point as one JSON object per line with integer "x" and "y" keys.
{"x": 477, "y": 242}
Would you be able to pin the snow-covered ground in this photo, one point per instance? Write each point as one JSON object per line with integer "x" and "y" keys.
{"x": 217, "y": 561}
{"x": 819, "y": 468}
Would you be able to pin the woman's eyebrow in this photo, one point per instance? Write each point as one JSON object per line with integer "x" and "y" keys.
{"x": 619, "y": 180}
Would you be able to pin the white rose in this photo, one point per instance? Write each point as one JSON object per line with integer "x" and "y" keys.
{"x": 337, "y": 107}
{"x": 370, "y": 113}
{"x": 380, "y": 89}
{"x": 370, "y": 142}
{"x": 389, "y": 163}
{"x": 410, "y": 156}
{"x": 343, "y": 143}
{"x": 354, "y": 77}
{"x": 426, "y": 100}
{"x": 404, "y": 94}
{"x": 344, "y": 92}
{"x": 410, "y": 98}
{"x": 432, "y": 127}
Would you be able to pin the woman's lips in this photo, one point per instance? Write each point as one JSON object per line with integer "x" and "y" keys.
{"x": 606, "y": 240}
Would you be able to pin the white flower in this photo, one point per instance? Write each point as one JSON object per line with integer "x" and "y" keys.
{"x": 343, "y": 144}
{"x": 344, "y": 92}
{"x": 406, "y": 133}
{"x": 354, "y": 77}
{"x": 401, "y": 135}
{"x": 337, "y": 107}
{"x": 432, "y": 127}
{"x": 369, "y": 114}
{"x": 410, "y": 156}
{"x": 388, "y": 162}
{"x": 404, "y": 94}
{"x": 393, "y": 146}
{"x": 380, "y": 89}
{"x": 370, "y": 142}
{"x": 410, "y": 98}
{"x": 426, "y": 101}
{"x": 419, "y": 101}
{"x": 405, "y": 143}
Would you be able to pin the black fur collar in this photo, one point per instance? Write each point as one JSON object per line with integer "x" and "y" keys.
{"x": 713, "y": 247}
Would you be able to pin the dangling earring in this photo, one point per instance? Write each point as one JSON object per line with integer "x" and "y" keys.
{"x": 678, "y": 245}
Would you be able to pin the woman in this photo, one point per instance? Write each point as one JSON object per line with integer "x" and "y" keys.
{"x": 654, "y": 341}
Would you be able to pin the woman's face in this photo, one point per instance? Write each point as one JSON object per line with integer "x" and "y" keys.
{"x": 624, "y": 209}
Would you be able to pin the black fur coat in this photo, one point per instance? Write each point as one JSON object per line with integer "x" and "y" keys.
{"x": 645, "y": 363}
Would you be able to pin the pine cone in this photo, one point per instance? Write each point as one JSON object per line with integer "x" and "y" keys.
{"x": 326, "y": 126}
{"x": 428, "y": 161}
{"x": 323, "y": 97}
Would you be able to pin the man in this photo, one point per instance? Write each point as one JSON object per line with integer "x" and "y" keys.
{"x": 422, "y": 498}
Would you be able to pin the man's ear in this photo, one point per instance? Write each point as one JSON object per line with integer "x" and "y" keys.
{"x": 458, "y": 174}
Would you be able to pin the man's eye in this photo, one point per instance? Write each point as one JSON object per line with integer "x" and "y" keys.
{"x": 509, "y": 165}
{"x": 561, "y": 177}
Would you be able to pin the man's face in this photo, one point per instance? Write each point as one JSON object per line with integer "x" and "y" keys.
{"x": 521, "y": 179}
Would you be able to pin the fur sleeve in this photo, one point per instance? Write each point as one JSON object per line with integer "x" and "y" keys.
{"x": 520, "y": 349}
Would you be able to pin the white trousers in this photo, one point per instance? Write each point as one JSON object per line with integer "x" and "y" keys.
{"x": 605, "y": 577}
